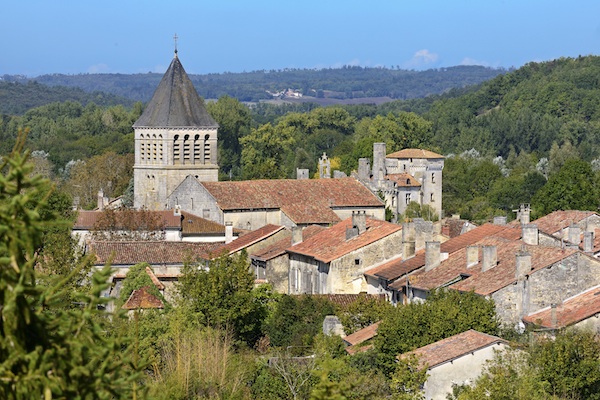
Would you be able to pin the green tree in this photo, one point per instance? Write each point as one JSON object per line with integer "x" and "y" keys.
{"x": 264, "y": 152}
{"x": 221, "y": 296}
{"x": 48, "y": 351}
{"x": 571, "y": 188}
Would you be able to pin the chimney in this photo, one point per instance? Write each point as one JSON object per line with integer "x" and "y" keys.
{"x": 359, "y": 221}
{"x": 530, "y": 234}
{"x": 408, "y": 249}
{"x": 423, "y": 232}
{"x": 296, "y": 235}
{"x": 100, "y": 200}
{"x": 523, "y": 264}
{"x": 574, "y": 234}
{"x": 499, "y": 220}
{"x": 301, "y": 173}
{"x": 524, "y": 214}
{"x": 553, "y": 318}
{"x": 228, "y": 232}
{"x": 364, "y": 169}
{"x": 588, "y": 241}
{"x": 432, "y": 255}
{"x": 408, "y": 239}
{"x": 472, "y": 256}
{"x": 489, "y": 258}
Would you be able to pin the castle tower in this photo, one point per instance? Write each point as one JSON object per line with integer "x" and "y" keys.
{"x": 174, "y": 137}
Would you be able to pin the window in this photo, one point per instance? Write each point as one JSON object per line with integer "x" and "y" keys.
{"x": 432, "y": 177}
{"x": 176, "y": 153}
{"x": 357, "y": 261}
{"x": 431, "y": 198}
{"x": 407, "y": 198}
{"x": 206, "y": 149}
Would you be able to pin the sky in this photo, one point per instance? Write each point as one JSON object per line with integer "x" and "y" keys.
{"x": 216, "y": 36}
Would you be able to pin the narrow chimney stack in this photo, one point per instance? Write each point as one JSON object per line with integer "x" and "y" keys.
{"x": 530, "y": 234}
{"x": 432, "y": 255}
{"x": 364, "y": 169}
{"x": 523, "y": 264}
{"x": 228, "y": 232}
{"x": 588, "y": 241}
{"x": 575, "y": 234}
{"x": 100, "y": 200}
{"x": 524, "y": 214}
{"x": 499, "y": 220}
{"x": 489, "y": 258}
{"x": 302, "y": 173}
{"x": 553, "y": 316}
{"x": 472, "y": 256}
{"x": 359, "y": 221}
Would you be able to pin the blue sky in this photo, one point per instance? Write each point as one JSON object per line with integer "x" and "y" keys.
{"x": 135, "y": 36}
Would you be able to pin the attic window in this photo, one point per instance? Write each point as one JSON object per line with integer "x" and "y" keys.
{"x": 357, "y": 261}
{"x": 407, "y": 181}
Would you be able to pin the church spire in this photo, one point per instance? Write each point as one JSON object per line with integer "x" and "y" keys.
{"x": 175, "y": 40}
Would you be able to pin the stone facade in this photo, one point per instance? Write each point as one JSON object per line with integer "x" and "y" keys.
{"x": 410, "y": 175}
{"x": 549, "y": 285}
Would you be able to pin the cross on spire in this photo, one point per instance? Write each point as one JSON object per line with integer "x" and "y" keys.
{"x": 175, "y": 39}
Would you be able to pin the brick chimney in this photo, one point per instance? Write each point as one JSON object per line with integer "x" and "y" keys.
{"x": 432, "y": 255}
{"x": 228, "y": 232}
{"x": 472, "y": 256}
{"x": 489, "y": 258}
{"x": 530, "y": 234}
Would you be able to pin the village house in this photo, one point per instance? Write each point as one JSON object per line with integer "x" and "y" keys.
{"x": 457, "y": 360}
{"x": 408, "y": 175}
{"x": 334, "y": 261}
{"x": 272, "y": 264}
{"x": 288, "y": 202}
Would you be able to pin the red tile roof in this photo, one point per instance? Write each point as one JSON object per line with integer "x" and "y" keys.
{"x": 87, "y": 219}
{"x": 192, "y": 225}
{"x": 143, "y": 299}
{"x": 158, "y": 252}
{"x": 414, "y": 153}
{"x": 278, "y": 248}
{"x": 453, "y": 347}
{"x": 363, "y": 334}
{"x": 559, "y": 220}
{"x": 571, "y": 311}
{"x": 248, "y": 239}
{"x": 484, "y": 283}
{"x": 290, "y": 195}
{"x": 404, "y": 180}
{"x": 344, "y": 300}
{"x": 332, "y": 244}
{"x": 397, "y": 267}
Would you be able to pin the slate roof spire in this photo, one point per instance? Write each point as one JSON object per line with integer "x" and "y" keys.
{"x": 175, "y": 102}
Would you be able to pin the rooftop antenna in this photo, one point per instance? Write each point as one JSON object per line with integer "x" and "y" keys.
{"x": 175, "y": 40}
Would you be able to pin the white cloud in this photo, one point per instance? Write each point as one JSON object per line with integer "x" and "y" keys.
{"x": 98, "y": 69}
{"x": 422, "y": 58}
{"x": 472, "y": 61}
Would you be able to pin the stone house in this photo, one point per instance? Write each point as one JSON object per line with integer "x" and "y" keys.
{"x": 519, "y": 276}
{"x": 403, "y": 177}
{"x": 581, "y": 311}
{"x": 288, "y": 202}
{"x": 456, "y": 360}
{"x": 272, "y": 264}
{"x": 251, "y": 242}
{"x": 334, "y": 261}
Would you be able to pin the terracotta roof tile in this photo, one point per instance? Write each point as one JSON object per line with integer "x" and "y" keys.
{"x": 404, "y": 180}
{"x": 332, "y": 243}
{"x": 344, "y": 300}
{"x": 414, "y": 153}
{"x": 192, "y": 224}
{"x": 158, "y": 252}
{"x": 483, "y": 283}
{"x": 573, "y": 310}
{"x": 248, "y": 239}
{"x": 362, "y": 335}
{"x": 142, "y": 298}
{"x": 358, "y": 349}
{"x": 278, "y": 248}
{"x": 87, "y": 219}
{"x": 397, "y": 267}
{"x": 558, "y": 220}
{"x": 291, "y": 195}
{"x": 453, "y": 347}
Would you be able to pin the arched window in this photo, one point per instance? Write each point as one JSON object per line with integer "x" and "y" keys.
{"x": 186, "y": 149}
{"x": 196, "y": 157}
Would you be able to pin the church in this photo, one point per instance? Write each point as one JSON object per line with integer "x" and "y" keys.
{"x": 176, "y": 168}
{"x": 175, "y": 137}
